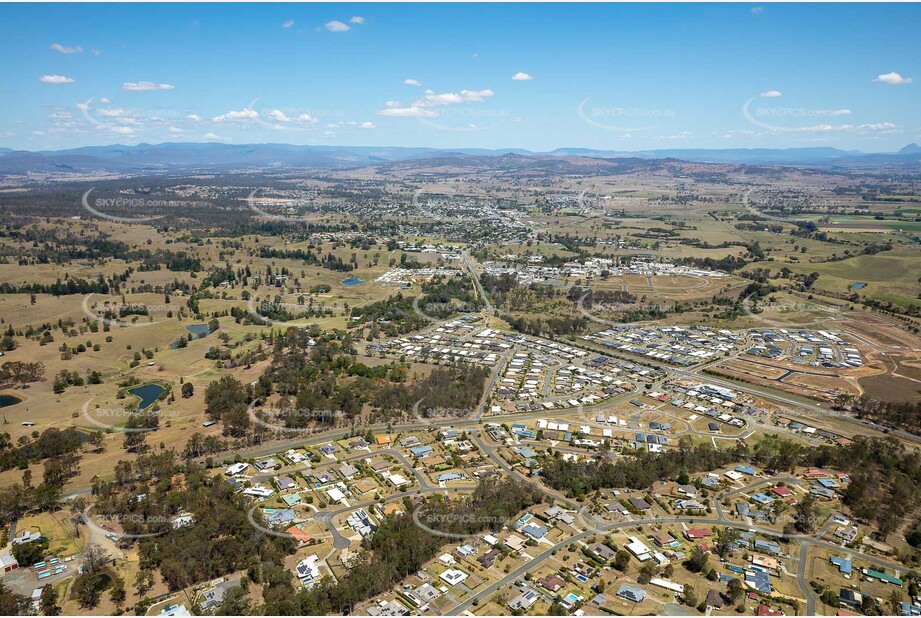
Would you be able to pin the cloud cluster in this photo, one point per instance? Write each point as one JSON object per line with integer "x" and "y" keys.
{"x": 522, "y": 77}
{"x": 66, "y": 50}
{"x": 232, "y": 116}
{"x": 56, "y": 79}
{"x": 423, "y": 108}
{"x": 146, "y": 86}
{"x": 892, "y": 79}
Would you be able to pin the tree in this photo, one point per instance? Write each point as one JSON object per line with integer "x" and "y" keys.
{"x": 234, "y": 603}
{"x": 690, "y": 596}
{"x": 144, "y": 581}
{"x": 804, "y": 520}
{"x": 895, "y": 602}
{"x": 12, "y": 604}
{"x": 735, "y": 590}
{"x": 187, "y": 390}
{"x": 95, "y": 558}
{"x": 830, "y": 598}
{"x": 697, "y": 563}
{"x": 725, "y": 540}
{"x": 621, "y": 560}
{"x": 49, "y": 601}
{"x": 117, "y": 592}
{"x": 88, "y": 588}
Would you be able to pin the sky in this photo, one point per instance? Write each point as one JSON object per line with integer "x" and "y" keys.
{"x": 533, "y": 76}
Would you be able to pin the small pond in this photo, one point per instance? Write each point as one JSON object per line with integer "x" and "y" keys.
{"x": 199, "y": 330}
{"x": 148, "y": 393}
{"x": 352, "y": 281}
{"x": 8, "y": 400}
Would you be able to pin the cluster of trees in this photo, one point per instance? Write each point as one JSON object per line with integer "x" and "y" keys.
{"x": 50, "y": 444}
{"x": 490, "y": 507}
{"x": 638, "y": 471}
{"x": 309, "y": 258}
{"x": 455, "y": 389}
{"x": 392, "y": 317}
{"x": 440, "y": 293}
{"x": 18, "y": 373}
{"x": 321, "y": 383}
{"x": 901, "y": 414}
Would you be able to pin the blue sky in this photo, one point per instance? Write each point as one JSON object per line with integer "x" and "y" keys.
{"x": 536, "y": 76}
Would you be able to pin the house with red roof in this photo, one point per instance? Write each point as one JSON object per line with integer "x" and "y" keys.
{"x": 783, "y": 492}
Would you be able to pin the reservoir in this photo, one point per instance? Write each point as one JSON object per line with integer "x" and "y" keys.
{"x": 148, "y": 393}
{"x": 8, "y": 400}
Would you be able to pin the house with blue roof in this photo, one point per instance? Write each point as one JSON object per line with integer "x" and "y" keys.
{"x": 534, "y": 531}
{"x": 770, "y": 547}
{"x": 631, "y": 593}
{"x": 762, "y": 498}
{"x": 421, "y": 451}
{"x": 746, "y": 470}
{"x": 279, "y": 516}
{"x": 829, "y": 483}
{"x": 822, "y": 492}
{"x": 843, "y": 564}
{"x": 758, "y": 580}
{"x": 450, "y": 476}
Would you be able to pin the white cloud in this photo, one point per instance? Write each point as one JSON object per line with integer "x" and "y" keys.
{"x": 454, "y": 98}
{"x": 66, "y": 50}
{"x": 893, "y": 79}
{"x": 280, "y": 116}
{"x": 409, "y": 81}
{"x": 175, "y": 130}
{"x": 243, "y": 114}
{"x": 879, "y": 127}
{"x": 413, "y": 111}
{"x": 56, "y": 79}
{"x": 522, "y": 77}
{"x": 38, "y": 133}
{"x": 193, "y": 117}
{"x": 144, "y": 86}
{"x": 288, "y": 23}
{"x": 111, "y": 112}
{"x": 757, "y": 10}
{"x": 358, "y": 19}
{"x": 95, "y": 52}
{"x": 104, "y": 100}
{"x": 336, "y": 26}
{"x": 366, "y": 125}
{"x": 122, "y": 130}
{"x": 214, "y": 137}
{"x": 771, "y": 93}
{"x": 422, "y": 107}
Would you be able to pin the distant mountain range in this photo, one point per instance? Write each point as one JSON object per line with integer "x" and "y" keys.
{"x": 175, "y": 157}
